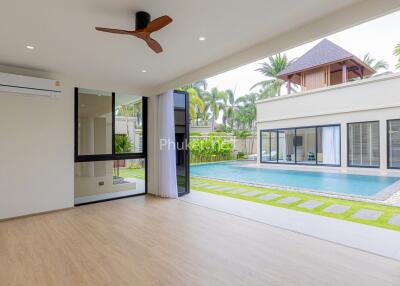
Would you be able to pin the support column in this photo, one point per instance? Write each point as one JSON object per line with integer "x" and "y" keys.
{"x": 344, "y": 73}
{"x": 289, "y": 85}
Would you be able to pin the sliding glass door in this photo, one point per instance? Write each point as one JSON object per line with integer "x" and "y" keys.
{"x": 363, "y": 144}
{"x": 316, "y": 145}
{"x": 181, "y": 116}
{"x": 110, "y": 145}
{"x": 393, "y": 137}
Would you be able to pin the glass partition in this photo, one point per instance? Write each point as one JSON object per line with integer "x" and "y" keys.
{"x": 95, "y": 111}
{"x": 306, "y": 148}
{"x": 265, "y": 146}
{"x": 317, "y": 145}
{"x": 102, "y": 180}
{"x": 328, "y": 145}
{"x": 286, "y": 146}
{"x": 110, "y": 148}
{"x": 128, "y": 124}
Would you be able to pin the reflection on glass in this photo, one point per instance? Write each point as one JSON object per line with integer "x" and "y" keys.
{"x": 305, "y": 141}
{"x": 328, "y": 145}
{"x": 265, "y": 146}
{"x": 286, "y": 146}
{"x": 394, "y": 143}
{"x": 274, "y": 146}
{"x": 128, "y": 124}
{"x": 108, "y": 179}
{"x": 364, "y": 144}
{"x": 94, "y": 122}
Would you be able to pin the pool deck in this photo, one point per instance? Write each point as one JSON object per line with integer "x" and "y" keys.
{"x": 388, "y": 196}
{"x": 346, "y": 233}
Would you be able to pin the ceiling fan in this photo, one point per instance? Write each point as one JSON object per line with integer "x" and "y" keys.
{"x": 144, "y": 27}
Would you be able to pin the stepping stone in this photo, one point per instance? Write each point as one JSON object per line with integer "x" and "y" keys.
{"x": 226, "y": 189}
{"x": 395, "y": 220}
{"x": 237, "y": 191}
{"x": 288, "y": 200}
{"x": 202, "y": 184}
{"x": 212, "y": 187}
{"x": 336, "y": 209}
{"x": 223, "y": 189}
{"x": 251, "y": 194}
{"x": 268, "y": 197}
{"x": 310, "y": 205}
{"x": 367, "y": 214}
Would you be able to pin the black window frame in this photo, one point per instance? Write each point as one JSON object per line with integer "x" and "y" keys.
{"x": 388, "y": 145}
{"x": 348, "y": 144}
{"x": 276, "y": 130}
{"x": 113, "y": 156}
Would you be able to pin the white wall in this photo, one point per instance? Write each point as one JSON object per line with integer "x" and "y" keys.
{"x": 36, "y": 153}
{"x": 368, "y": 100}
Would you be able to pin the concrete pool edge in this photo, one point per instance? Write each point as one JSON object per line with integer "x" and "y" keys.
{"x": 392, "y": 191}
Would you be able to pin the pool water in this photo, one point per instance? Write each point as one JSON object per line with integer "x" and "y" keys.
{"x": 349, "y": 184}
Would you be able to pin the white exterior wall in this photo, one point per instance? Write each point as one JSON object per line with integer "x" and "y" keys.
{"x": 373, "y": 99}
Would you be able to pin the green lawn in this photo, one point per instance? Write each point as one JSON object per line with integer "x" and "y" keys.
{"x": 382, "y": 221}
{"x": 132, "y": 173}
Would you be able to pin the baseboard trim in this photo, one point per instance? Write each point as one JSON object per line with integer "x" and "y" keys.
{"x": 34, "y": 214}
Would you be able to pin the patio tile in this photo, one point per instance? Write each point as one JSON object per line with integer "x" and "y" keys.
{"x": 269, "y": 197}
{"x": 367, "y": 214}
{"x": 222, "y": 189}
{"x": 252, "y": 194}
{"x": 336, "y": 209}
{"x": 310, "y": 205}
{"x": 288, "y": 200}
{"x": 236, "y": 191}
{"x": 212, "y": 187}
{"x": 395, "y": 220}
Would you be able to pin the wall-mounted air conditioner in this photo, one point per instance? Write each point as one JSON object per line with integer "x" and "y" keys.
{"x": 12, "y": 83}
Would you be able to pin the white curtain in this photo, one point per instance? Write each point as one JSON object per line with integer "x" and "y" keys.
{"x": 282, "y": 145}
{"x": 167, "y": 182}
{"x": 331, "y": 145}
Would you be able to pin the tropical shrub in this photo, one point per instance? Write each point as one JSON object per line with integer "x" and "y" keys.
{"x": 210, "y": 149}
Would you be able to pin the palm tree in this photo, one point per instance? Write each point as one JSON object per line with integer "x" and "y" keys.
{"x": 215, "y": 99}
{"x": 397, "y": 53}
{"x": 375, "y": 64}
{"x": 272, "y": 86}
{"x": 246, "y": 111}
{"x": 196, "y": 92}
{"x": 229, "y": 108}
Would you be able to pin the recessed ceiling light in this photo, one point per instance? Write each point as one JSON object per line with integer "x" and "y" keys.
{"x": 202, "y": 38}
{"x": 30, "y": 47}
{"x": 144, "y": 71}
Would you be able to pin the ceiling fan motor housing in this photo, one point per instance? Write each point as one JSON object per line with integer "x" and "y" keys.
{"x": 142, "y": 20}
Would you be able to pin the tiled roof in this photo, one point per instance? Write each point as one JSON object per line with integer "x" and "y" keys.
{"x": 324, "y": 52}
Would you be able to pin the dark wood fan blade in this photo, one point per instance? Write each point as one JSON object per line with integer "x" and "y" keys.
{"x": 158, "y": 24}
{"x": 114, "y": 31}
{"x": 154, "y": 45}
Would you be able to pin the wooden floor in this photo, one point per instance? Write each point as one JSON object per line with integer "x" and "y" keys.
{"x": 150, "y": 241}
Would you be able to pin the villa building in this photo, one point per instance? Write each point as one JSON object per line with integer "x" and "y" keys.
{"x": 339, "y": 118}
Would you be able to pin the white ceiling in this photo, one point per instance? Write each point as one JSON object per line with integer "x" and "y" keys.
{"x": 66, "y": 42}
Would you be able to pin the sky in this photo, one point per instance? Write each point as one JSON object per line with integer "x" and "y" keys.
{"x": 377, "y": 37}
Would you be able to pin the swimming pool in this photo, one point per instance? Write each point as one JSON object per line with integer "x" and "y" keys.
{"x": 348, "y": 184}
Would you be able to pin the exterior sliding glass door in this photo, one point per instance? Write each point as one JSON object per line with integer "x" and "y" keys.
{"x": 363, "y": 144}
{"x": 110, "y": 145}
{"x": 393, "y": 137}
{"x": 316, "y": 145}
